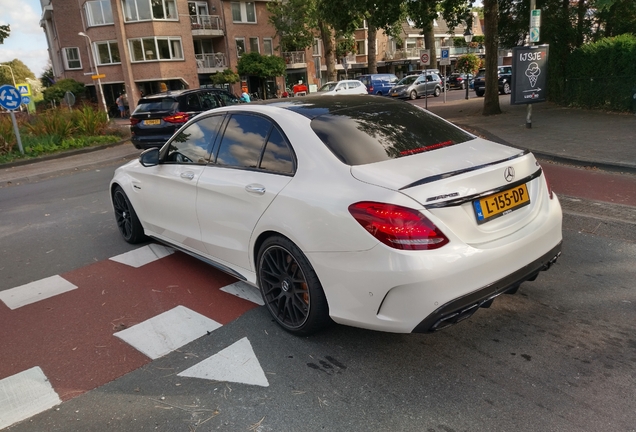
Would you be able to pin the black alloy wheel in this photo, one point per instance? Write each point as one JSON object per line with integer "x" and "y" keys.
{"x": 290, "y": 288}
{"x": 127, "y": 220}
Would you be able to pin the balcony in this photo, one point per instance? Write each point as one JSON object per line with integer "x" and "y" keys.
{"x": 206, "y": 26}
{"x": 295, "y": 59}
{"x": 211, "y": 63}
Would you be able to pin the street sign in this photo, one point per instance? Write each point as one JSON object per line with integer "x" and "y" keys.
{"x": 24, "y": 89}
{"x": 535, "y": 34}
{"x": 26, "y": 100}
{"x": 529, "y": 74}
{"x": 425, "y": 57}
{"x": 96, "y": 77}
{"x": 445, "y": 54}
{"x": 535, "y": 18}
{"x": 10, "y": 97}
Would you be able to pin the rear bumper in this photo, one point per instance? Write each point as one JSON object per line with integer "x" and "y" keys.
{"x": 461, "y": 308}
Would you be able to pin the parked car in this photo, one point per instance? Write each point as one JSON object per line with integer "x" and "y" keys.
{"x": 504, "y": 74}
{"x": 378, "y": 84}
{"x": 460, "y": 80}
{"x": 363, "y": 210}
{"x": 415, "y": 86}
{"x": 157, "y": 117}
{"x": 343, "y": 87}
{"x": 444, "y": 85}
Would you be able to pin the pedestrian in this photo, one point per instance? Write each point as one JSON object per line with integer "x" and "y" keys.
{"x": 245, "y": 97}
{"x": 121, "y": 104}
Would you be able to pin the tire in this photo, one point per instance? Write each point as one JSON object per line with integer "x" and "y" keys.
{"x": 290, "y": 288}
{"x": 463, "y": 86}
{"x": 506, "y": 88}
{"x": 127, "y": 221}
{"x": 479, "y": 93}
{"x": 437, "y": 92}
{"x": 379, "y": 93}
{"x": 413, "y": 95}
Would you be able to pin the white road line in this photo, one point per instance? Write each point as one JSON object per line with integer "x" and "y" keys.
{"x": 144, "y": 255}
{"x": 244, "y": 291}
{"x": 236, "y": 363}
{"x": 168, "y": 331}
{"x": 35, "y": 291}
{"x": 24, "y": 395}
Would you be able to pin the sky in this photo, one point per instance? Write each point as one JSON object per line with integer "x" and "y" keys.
{"x": 26, "y": 41}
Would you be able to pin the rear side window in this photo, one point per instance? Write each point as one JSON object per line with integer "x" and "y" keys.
{"x": 163, "y": 104}
{"x": 243, "y": 141}
{"x": 192, "y": 102}
{"x": 378, "y": 132}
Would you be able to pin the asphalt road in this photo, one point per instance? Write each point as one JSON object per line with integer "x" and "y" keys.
{"x": 560, "y": 355}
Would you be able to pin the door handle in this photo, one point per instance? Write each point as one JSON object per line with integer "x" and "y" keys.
{"x": 187, "y": 175}
{"x": 255, "y": 189}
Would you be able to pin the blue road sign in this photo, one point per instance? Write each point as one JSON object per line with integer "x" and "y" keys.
{"x": 26, "y": 100}
{"x": 10, "y": 97}
{"x": 445, "y": 53}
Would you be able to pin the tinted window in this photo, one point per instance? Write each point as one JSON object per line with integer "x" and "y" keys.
{"x": 208, "y": 101}
{"x": 243, "y": 141}
{"x": 277, "y": 156}
{"x": 193, "y": 103}
{"x": 163, "y": 104}
{"x": 373, "y": 133}
{"x": 193, "y": 144}
{"x": 228, "y": 99}
{"x": 408, "y": 80}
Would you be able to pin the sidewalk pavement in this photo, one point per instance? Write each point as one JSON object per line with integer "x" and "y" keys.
{"x": 567, "y": 135}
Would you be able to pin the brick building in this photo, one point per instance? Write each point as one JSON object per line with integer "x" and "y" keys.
{"x": 148, "y": 46}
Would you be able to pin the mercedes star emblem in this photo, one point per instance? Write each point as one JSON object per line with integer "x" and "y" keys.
{"x": 509, "y": 174}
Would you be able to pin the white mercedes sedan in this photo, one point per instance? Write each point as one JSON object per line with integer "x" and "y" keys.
{"x": 358, "y": 210}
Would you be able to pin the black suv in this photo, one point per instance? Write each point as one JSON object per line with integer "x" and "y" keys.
{"x": 158, "y": 116}
{"x": 505, "y": 79}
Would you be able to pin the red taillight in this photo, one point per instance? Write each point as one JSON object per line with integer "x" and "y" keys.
{"x": 179, "y": 117}
{"x": 398, "y": 227}
{"x": 134, "y": 121}
{"x": 370, "y": 88}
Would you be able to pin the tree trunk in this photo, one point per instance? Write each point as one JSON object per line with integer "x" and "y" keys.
{"x": 328, "y": 43}
{"x": 429, "y": 44}
{"x": 373, "y": 62}
{"x": 491, "y": 98}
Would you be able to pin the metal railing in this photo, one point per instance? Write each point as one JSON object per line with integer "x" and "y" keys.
{"x": 212, "y": 60}
{"x": 206, "y": 22}
{"x": 293, "y": 57}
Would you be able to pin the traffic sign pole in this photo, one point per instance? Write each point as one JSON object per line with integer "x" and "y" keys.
{"x": 10, "y": 100}
{"x": 16, "y": 131}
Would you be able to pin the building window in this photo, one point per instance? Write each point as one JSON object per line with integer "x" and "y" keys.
{"x": 98, "y": 12}
{"x": 143, "y": 10}
{"x": 268, "y": 47}
{"x": 316, "y": 48}
{"x": 157, "y": 48}
{"x": 107, "y": 52}
{"x": 254, "y": 45}
{"x": 72, "y": 58}
{"x": 361, "y": 47}
{"x": 243, "y": 12}
{"x": 240, "y": 46}
{"x": 411, "y": 43}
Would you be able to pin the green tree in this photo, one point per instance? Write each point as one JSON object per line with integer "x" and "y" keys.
{"x": 228, "y": 76}
{"x": 468, "y": 63}
{"x": 491, "y": 19}
{"x": 261, "y": 66}
{"x": 47, "y": 78}
{"x": 294, "y": 21}
{"x": 4, "y": 32}
{"x": 20, "y": 71}
{"x": 57, "y": 91}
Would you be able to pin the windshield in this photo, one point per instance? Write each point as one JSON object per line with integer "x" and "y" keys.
{"x": 328, "y": 87}
{"x": 377, "y": 132}
{"x": 151, "y": 105}
{"x": 407, "y": 80}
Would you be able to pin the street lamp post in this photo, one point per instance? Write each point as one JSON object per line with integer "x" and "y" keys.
{"x": 468, "y": 37}
{"x": 12, "y": 76}
{"x": 99, "y": 81}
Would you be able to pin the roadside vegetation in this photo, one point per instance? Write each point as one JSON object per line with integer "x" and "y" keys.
{"x": 55, "y": 130}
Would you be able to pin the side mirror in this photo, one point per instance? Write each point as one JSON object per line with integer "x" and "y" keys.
{"x": 150, "y": 157}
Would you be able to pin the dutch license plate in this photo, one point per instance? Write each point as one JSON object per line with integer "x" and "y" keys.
{"x": 152, "y": 122}
{"x": 501, "y": 203}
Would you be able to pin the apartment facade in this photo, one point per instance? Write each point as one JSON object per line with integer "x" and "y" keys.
{"x": 147, "y": 46}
